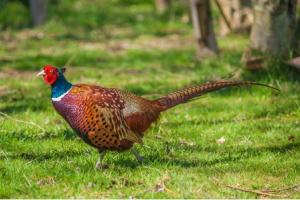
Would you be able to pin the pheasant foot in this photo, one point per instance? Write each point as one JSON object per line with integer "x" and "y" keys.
{"x": 99, "y": 162}
{"x": 140, "y": 158}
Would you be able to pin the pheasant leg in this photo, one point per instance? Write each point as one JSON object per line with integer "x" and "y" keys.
{"x": 140, "y": 158}
{"x": 99, "y": 162}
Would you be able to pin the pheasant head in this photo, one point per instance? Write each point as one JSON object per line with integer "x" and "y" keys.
{"x": 55, "y": 77}
{"x": 51, "y": 74}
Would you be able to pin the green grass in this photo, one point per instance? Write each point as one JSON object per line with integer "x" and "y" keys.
{"x": 126, "y": 44}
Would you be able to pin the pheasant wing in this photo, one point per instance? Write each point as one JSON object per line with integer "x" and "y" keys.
{"x": 138, "y": 112}
{"x": 113, "y": 121}
{"x": 106, "y": 107}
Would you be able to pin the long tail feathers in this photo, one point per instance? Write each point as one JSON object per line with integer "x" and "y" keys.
{"x": 182, "y": 96}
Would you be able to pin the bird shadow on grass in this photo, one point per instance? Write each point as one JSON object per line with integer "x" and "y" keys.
{"x": 41, "y": 156}
{"x": 157, "y": 158}
{"x": 158, "y": 155}
{"x": 228, "y": 155}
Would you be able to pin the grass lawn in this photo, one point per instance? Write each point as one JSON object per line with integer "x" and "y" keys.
{"x": 127, "y": 45}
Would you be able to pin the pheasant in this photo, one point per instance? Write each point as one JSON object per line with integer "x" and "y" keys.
{"x": 114, "y": 119}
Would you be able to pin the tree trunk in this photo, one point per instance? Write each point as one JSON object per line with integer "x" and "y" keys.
{"x": 296, "y": 39}
{"x": 38, "y": 11}
{"x": 273, "y": 28}
{"x": 162, "y": 5}
{"x": 205, "y": 38}
{"x": 236, "y": 15}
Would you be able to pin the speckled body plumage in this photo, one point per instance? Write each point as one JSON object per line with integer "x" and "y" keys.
{"x": 113, "y": 119}
{"x": 107, "y": 118}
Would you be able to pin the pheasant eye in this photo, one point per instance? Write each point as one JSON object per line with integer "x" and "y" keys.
{"x": 51, "y": 71}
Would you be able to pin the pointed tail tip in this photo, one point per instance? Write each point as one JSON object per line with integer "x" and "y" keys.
{"x": 274, "y": 88}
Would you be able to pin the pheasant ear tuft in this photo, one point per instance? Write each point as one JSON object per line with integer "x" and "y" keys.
{"x": 63, "y": 69}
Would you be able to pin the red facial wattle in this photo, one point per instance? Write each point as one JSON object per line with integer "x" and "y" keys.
{"x": 50, "y": 78}
{"x": 50, "y": 74}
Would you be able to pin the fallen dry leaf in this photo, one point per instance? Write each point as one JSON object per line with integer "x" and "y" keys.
{"x": 41, "y": 182}
{"x": 131, "y": 184}
{"x": 112, "y": 181}
{"x": 183, "y": 141}
{"x": 92, "y": 184}
{"x": 124, "y": 181}
{"x": 292, "y": 138}
{"x": 140, "y": 183}
{"x": 104, "y": 166}
{"x": 221, "y": 140}
{"x": 159, "y": 187}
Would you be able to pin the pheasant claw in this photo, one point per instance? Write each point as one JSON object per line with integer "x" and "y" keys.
{"x": 99, "y": 162}
{"x": 138, "y": 157}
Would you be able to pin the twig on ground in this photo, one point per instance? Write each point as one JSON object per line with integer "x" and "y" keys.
{"x": 163, "y": 184}
{"x": 287, "y": 188}
{"x": 247, "y": 139}
{"x": 270, "y": 119}
{"x": 25, "y": 122}
{"x": 292, "y": 193}
{"x": 258, "y": 192}
{"x": 151, "y": 168}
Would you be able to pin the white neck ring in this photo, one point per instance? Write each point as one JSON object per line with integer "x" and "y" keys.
{"x": 61, "y": 96}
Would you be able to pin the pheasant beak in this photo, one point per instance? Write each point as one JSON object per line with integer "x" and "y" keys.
{"x": 41, "y": 73}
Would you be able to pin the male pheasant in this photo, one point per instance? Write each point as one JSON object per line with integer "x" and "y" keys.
{"x": 113, "y": 119}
